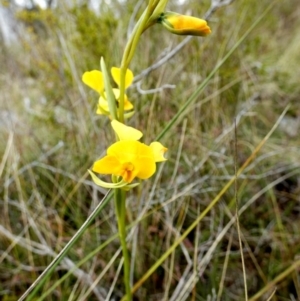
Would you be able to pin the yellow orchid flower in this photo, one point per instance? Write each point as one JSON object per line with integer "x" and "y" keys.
{"x": 128, "y": 158}
{"x": 184, "y": 25}
{"x": 95, "y": 80}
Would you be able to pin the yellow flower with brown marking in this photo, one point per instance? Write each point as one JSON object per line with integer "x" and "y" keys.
{"x": 184, "y": 25}
{"x": 128, "y": 158}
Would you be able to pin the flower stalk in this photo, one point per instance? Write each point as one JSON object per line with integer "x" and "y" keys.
{"x": 120, "y": 207}
{"x": 127, "y": 56}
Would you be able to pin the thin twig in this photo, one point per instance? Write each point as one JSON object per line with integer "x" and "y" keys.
{"x": 237, "y": 212}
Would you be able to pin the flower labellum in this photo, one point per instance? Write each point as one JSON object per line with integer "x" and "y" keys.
{"x": 184, "y": 25}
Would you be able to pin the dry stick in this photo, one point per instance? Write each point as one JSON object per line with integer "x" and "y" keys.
{"x": 208, "y": 208}
{"x": 273, "y": 283}
{"x": 237, "y": 212}
{"x": 196, "y": 242}
{"x": 101, "y": 275}
{"x": 6, "y": 153}
{"x": 116, "y": 277}
{"x": 221, "y": 286}
{"x": 272, "y": 294}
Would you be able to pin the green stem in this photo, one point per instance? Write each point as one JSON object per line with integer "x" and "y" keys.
{"x": 120, "y": 203}
{"x": 128, "y": 54}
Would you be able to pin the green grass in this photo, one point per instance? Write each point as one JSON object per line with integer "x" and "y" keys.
{"x": 48, "y": 146}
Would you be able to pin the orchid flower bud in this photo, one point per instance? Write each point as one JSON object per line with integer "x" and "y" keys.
{"x": 184, "y": 25}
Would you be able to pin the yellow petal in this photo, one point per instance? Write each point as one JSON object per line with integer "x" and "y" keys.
{"x": 127, "y": 104}
{"x": 103, "y": 104}
{"x": 115, "y": 72}
{"x": 128, "y": 78}
{"x": 108, "y": 165}
{"x": 125, "y": 132}
{"x": 101, "y": 111}
{"x": 94, "y": 79}
{"x": 145, "y": 162}
{"x": 125, "y": 150}
{"x": 116, "y": 93}
{"x": 158, "y": 151}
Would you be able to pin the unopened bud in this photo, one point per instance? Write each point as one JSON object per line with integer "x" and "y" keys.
{"x": 184, "y": 25}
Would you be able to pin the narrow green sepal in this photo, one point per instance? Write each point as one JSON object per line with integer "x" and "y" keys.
{"x": 104, "y": 184}
{"x": 130, "y": 186}
{"x": 110, "y": 97}
{"x": 129, "y": 114}
{"x": 122, "y": 184}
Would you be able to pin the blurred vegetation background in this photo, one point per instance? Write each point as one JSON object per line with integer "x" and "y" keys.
{"x": 50, "y": 135}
